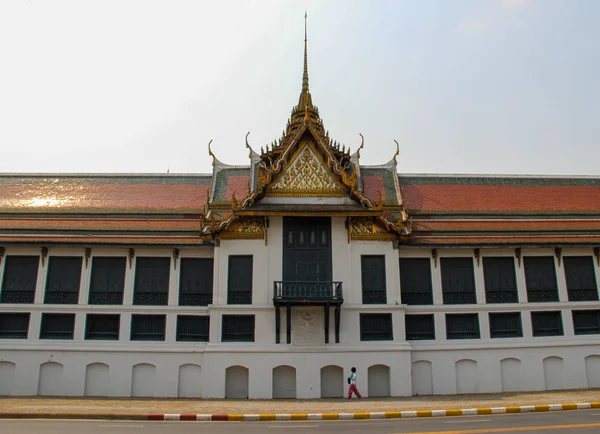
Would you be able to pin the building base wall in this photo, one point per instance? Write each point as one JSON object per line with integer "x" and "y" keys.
{"x": 305, "y": 374}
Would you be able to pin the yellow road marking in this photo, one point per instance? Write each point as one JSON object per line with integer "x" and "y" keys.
{"x": 515, "y": 429}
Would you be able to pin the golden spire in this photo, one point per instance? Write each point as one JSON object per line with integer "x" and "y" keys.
{"x": 305, "y": 98}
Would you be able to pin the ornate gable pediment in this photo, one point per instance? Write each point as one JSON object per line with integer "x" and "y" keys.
{"x": 306, "y": 175}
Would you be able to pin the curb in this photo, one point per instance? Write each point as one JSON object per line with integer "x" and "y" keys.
{"x": 310, "y": 416}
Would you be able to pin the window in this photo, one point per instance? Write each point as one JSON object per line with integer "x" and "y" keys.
{"x": 14, "y": 325}
{"x": 239, "y": 282}
{"x": 458, "y": 281}
{"x": 540, "y": 276}
{"x": 586, "y": 322}
{"x": 196, "y": 281}
{"x": 20, "y": 279}
{"x": 419, "y": 327}
{"x": 506, "y": 325}
{"x": 147, "y": 327}
{"x": 581, "y": 279}
{"x": 238, "y": 328}
{"x": 151, "y": 281}
{"x": 373, "y": 279}
{"x": 546, "y": 323}
{"x": 376, "y": 327}
{"x": 462, "y": 326}
{"x": 64, "y": 277}
{"x": 108, "y": 280}
{"x": 500, "y": 280}
{"x": 57, "y": 326}
{"x": 102, "y": 327}
{"x": 415, "y": 281}
{"x": 193, "y": 328}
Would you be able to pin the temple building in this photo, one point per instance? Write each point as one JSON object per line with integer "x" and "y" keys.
{"x": 271, "y": 280}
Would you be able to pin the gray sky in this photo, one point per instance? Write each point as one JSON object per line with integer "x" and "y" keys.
{"x": 465, "y": 86}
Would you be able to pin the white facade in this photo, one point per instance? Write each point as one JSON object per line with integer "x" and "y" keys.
{"x": 306, "y": 368}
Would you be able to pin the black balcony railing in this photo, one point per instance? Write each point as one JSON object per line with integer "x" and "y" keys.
{"x": 501, "y": 297}
{"x": 542, "y": 295}
{"x": 416, "y": 298}
{"x": 61, "y": 297}
{"x": 150, "y": 298}
{"x": 583, "y": 295}
{"x": 459, "y": 298}
{"x": 195, "y": 299}
{"x": 18, "y": 296}
{"x": 106, "y": 298}
{"x": 306, "y": 291}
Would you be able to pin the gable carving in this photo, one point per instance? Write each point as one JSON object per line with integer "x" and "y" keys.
{"x": 306, "y": 175}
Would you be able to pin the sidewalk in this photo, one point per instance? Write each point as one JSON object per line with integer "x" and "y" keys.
{"x": 142, "y": 408}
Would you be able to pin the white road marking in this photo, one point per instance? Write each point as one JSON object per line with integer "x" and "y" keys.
{"x": 114, "y": 425}
{"x": 293, "y": 426}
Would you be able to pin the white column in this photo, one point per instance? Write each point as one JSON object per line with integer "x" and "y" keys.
{"x": 439, "y": 319}
{"x": 124, "y": 327}
{"x": 521, "y": 282}
{"x": 597, "y": 270}
{"x": 561, "y": 280}
{"x": 567, "y": 320}
{"x": 35, "y": 323}
{"x": 484, "y": 325}
{"x": 79, "y": 332}
{"x": 526, "y": 321}
{"x": 129, "y": 279}
{"x": 40, "y": 286}
{"x": 171, "y": 328}
{"x": 479, "y": 280}
{"x": 174, "y": 282}
{"x": 84, "y": 285}
{"x": 436, "y": 281}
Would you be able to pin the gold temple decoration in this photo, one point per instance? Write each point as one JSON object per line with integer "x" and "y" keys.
{"x": 306, "y": 176}
{"x": 367, "y": 228}
{"x": 248, "y": 228}
{"x": 304, "y": 162}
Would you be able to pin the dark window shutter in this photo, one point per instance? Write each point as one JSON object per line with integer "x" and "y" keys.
{"x": 151, "y": 281}
{"x": 373, "y": 279}
{"x": 458, "y": 280}
{"x": 14, "y": 325}
{"x": 546, "y": 323}
{"x": 148, "y": 327}
{"x": 239, "y": 282}
{"x": 193, "y": 328}
{"x": 419, "y": 327}
{"x": 237, "y": 328}
{"x": 586, "y": 322}
{"x": 107, "y": 280}
{"x": 20, "y": 279}
{"x": 500, "y": 280}
{"x": 196, "y": 281}
{"x": 376, "y": 327}
{"x": 462, "y": 326}
{"x": 415, "y": 281}
{"x": 102, "y": 327}
{"x": 506, "y": 325}
{"x": 581, "y": 278}
{"x": 57, "y": 326}
{"x": 540, "y": 277}
{"x": 64, "y": 277}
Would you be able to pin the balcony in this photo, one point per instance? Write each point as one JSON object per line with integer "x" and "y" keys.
{"x": 307, "y": 292}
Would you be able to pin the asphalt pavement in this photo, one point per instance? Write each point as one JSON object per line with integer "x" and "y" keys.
{"x": 582, "y": 421}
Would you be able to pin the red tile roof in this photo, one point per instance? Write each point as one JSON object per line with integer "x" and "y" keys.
{"x": 591, "y": 240}
{"x": 101, "y": 225}
{"x": 501, "y": 199}
{"x": 512, "y": 225}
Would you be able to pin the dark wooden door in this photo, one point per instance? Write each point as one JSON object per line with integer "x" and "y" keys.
{"x": 307, "y": 249}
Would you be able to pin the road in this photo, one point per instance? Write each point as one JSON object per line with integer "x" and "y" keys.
{"x": 579, "y": 422}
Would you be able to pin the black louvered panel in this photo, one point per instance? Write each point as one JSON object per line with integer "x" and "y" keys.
{"x": 151, "y": 281}
{"x": 102, "y": 327}
{"x": 506, "y": 325}
{"x": 14, "y": 325}
{"x": 239, "y": 281}
{"x": 581, "y": 278}
{"x": 586, "y": 322}
{"x": 540, "y": 276}
{"x": 237, "y": 328}
{"x": 20, "y": 279}
{"x": 546, "y": 323}
{"x": 500, "y": 280}
{"x": 193, "y": 328}
{"x": 462, "y": 326}
{"x": 63, "y": 281}
{"x": 196, "y": 282}
{"x": 57, "y": 326}
{"x": 147, "y": 327}
{"x": 376, "y": 327}
{"x": 107, "y": 280}
{"x": 419, "y": 327}
{"x": 458, "y": 281}
{"x": 373, "y": 279}
{"x": 415, "y": 281}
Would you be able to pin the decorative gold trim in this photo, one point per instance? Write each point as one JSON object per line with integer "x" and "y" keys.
{"x": 367, "y": 229}
{"x": 247, "y": 228}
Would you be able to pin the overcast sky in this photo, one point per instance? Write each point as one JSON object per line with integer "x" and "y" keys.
{"x": 465, "y": 86}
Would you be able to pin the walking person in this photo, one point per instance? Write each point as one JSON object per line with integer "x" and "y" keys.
{"x": 352, "y": 383}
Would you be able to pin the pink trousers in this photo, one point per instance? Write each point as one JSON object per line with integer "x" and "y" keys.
{"x": 354, "y": 390}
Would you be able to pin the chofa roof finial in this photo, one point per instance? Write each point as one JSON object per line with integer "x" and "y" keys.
{"x": 210, "y": 153}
